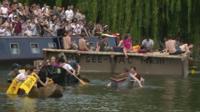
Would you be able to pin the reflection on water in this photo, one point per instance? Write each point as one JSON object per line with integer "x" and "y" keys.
{"x": 160, "y": 94}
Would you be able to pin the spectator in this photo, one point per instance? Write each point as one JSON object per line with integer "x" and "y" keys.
{"x": 147, "y": 45}
{"x": 82, "y": 44}
{"x": 79, "y": 16}
{"x": 17, "y": 26}
{"x": 126, "y": 43}
{"x": 67, "y": 42}
{"x": 69, "y": 13}
{"x": 4, "y": 9}
{"x": 170, "y": 47}
{"x": 77, "y": 27}
{"x": 102, "y": 44}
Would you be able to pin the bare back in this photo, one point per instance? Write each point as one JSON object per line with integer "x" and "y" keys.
{"x": 67, "y": 42}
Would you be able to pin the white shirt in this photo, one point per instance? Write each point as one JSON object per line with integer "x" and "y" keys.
{"x": 28, "y": 32}
{"x": 67, "y": 67}
{"x": 21, "y": 77}
{"x": 4, "y": 10}
{"x": 2, "y": 31}
{"x": 69, "y": 15}
{"x": 148, "y": 44}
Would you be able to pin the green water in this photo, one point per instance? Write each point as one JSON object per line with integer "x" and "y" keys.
{"x": 160, "y": 94}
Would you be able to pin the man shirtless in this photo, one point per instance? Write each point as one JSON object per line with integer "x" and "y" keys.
{"x": 82, "y": 44}
{"x": 67, "y": 43}
{"x": 171, "y": 47}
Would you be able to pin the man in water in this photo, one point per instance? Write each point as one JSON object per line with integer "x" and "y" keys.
{"x": 134, "y": 75}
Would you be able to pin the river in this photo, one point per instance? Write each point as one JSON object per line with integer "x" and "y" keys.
{"x": 160, "y": 94}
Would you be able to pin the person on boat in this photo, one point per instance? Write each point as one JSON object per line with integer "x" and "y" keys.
{"x": 14, "y": 72}
{"x": 126, "y": 43}
{"x": 102, "y": 44}
{"x": 67, "y": 42}
{"x": 23, "y": 76}
{"x": 147, "y": 45}
{"x": 75, "y": 65}
{"x": 135, "y": 76}
{"x": 54, "y": 71}
{"x": 70, "y": 72}
{"x": 187, "y": 48}
{"x": 54, "y": 61}
{"x": 82, "y": 44}
{"x": 171, "y": 47}
{"x": 43, "y": 75}
{"x": 51, "y": 72}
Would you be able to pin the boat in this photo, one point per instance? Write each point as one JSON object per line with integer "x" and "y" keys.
{"x": 153, "y": 63}
{"x": 24, "y": 49}
{"x": 52, "y": 90}
{"x": 16, "y": 47}
{"x": 29, "y": 88}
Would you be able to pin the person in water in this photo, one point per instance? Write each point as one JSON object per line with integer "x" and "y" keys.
{"x": 121, "y": 75}
{"x": 135, "y": 76}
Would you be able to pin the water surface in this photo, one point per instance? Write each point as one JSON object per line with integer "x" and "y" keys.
{"x": 160, "y": 94}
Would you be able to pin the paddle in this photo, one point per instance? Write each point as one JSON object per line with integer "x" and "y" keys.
{"x": 81, "y": 81}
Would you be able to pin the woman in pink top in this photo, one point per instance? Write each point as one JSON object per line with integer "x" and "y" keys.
{"x": 127, "y": 45}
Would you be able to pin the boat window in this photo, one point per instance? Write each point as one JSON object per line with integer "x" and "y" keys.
{"x": 14, "y": 48}
{"x": 51, "y": 45}
{"x": 35, "y": 49}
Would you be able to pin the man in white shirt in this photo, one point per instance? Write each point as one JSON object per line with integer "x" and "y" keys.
{"x": 4, "y": 10}
{"x": 66, "y": 66}
{"x": 147, "y": 44}
{"x": 69, "y": 14}
{"x": 24, "y": 75}
{"x": 71, "y": 77}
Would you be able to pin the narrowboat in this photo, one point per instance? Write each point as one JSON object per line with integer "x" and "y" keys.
{"x": 30, "y": 48}
{"x": 25, "y": 48}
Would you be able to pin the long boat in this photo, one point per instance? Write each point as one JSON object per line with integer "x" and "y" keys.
{"x": 24, "y": 49}
{"x": 154, "y": 63}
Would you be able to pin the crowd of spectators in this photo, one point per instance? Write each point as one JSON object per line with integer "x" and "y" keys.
{"x": 17, "y": 19}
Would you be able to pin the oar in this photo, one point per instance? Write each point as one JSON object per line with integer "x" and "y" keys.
{"x": 81, "y": 81}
